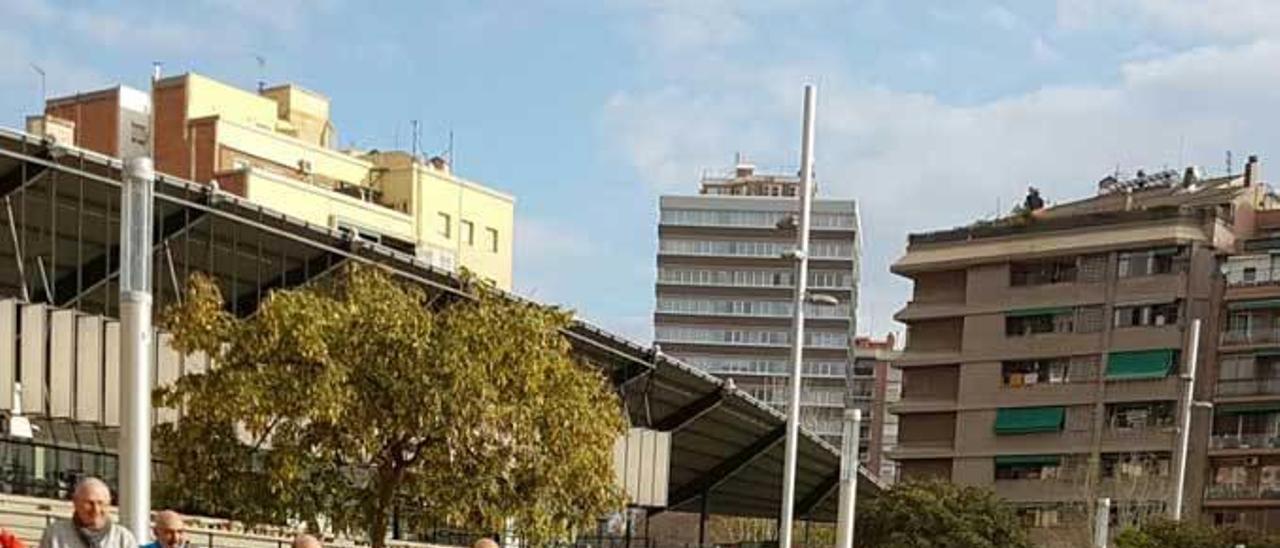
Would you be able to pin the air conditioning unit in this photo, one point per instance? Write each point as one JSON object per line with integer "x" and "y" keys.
{"x": 304, "y": 166}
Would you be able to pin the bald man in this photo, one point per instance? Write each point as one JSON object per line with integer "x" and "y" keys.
{"x": 485, "y": 543}
{"x": 170, "y": 531}
{"x": 90, "y": 525}
{"x": 306, "y": 541}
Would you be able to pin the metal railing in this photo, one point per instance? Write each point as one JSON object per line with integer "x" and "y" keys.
{"x": 1244, "y": 441}
{"x": 1251, "y": 336}
{"x": 1242, "y": 491}
{"x": 1248, "y": 387}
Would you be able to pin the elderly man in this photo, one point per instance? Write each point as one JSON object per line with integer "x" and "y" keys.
{"x": 306, "y": 541}
{"x": 485, "y": 543}
{"x": 90, "y": 525}
{"x": 170, "y": 531}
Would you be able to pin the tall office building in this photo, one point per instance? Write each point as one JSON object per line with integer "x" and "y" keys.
{"x": 724, "y": 294}
{"x": 1044, "y": 350}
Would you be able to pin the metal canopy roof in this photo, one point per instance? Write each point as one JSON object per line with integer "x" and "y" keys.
{"x": 64, "y": 205}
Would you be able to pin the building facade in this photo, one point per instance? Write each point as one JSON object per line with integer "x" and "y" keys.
{"x": 1044, "y": 350}
{"x": 1244, "y": 444}
{"x": 277, "y": 147}
{"x": 724, "y": 296}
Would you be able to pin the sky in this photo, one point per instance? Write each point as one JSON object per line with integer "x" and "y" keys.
{"x": 931, "y": 113}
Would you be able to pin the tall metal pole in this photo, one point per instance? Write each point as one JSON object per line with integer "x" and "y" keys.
{"x": 848, "y": 477}
{"x": 797, "y": 332}
{"x": 1184, "y": 429}
{"x": 1101, "y": 523}
{"x": 135, "y": 345}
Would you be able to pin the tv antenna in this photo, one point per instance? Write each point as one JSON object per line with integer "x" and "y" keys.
{"x": 44, "y": 93}
{"x": 262, "y": 72}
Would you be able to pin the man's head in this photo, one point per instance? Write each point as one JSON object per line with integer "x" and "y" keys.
{"x": 91, "y": 499}
{"x": 485, "y": 543}
{"x": 170, "y": 531}
{"x": 306, "y": 541}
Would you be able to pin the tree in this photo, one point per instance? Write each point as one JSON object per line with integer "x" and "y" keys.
{"x": 339, "y": 402}
{"x": 938, "y": 514}
{"x": 1160, "y": 532}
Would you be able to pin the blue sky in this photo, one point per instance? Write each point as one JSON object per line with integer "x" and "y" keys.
{"x": 931, "y": 113}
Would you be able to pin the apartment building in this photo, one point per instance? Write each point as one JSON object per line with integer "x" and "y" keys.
{"x": 724, "y": 295}
{"x": 1244, "y": 445}
{"x": 278, "y": 148}
{"x": 1044, "y": 350}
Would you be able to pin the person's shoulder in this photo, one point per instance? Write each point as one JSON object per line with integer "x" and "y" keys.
{"x": 59, "y": 527}
{"x": 124, "y": 538}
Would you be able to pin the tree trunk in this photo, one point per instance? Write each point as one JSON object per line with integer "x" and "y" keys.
{"x": 380, "y": 511}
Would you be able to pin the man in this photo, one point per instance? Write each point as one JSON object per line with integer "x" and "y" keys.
{"x": 485, "y": 543}
{"x": 306, "y": 541}
{"x": 90, "y": 525}
{"x": 170, "y": 531}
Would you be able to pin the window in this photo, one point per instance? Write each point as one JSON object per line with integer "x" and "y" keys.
{"x": 1146, "y": 315}
{"x": 446, "y": 225}
{"x": 1026, "y": 323}
{"x": 1135, "y": 465}
{"x": 1060, "y": 270}
{"x": 493, "y": 239}
{"x": 1140, "y": 416}
{"x": 1148, "y": 262}
{"x": 468, "y": 232}
{"x": 1250, "y": 274}
{"x": 1017, "y": 374}
{"x": 1028, "y": 467}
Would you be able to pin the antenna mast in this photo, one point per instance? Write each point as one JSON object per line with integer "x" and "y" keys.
{"x": 262, "y": 72}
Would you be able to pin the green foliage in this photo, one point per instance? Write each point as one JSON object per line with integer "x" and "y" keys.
{"x": 936, "y": 514}
{"x": 334, "y": 403}
{"x": 1166, "y": 533}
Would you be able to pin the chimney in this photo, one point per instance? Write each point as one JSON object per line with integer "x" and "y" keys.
{"x": 1251, "y": 174}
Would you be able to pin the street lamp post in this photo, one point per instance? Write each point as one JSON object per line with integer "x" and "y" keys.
{"x": 848, "y": 477}
{"x": 801, "y": 255}
{"x": 1184, "y": 428}
{"x": 135, "y": 345}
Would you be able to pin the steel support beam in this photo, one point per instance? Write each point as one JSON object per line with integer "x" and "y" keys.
{"x": 726, "y": 469}
{"x": 313, "y": 268}
{"x": 14, "y": 180}
{"x": 690, "y": 413}
{"x": 94, "y": 273}
{"x": 805, "y": 507}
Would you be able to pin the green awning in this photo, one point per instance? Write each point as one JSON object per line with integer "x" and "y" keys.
{"x": 1037, "y": 312}
{"x": 1145, "y": 364}
{"x": 1254, "y": 305}
{"x": 1027, "y": 420}
{"x": 1028, "y": 460}
{"x": 1165, "y": 251}
{"x": 1248, "y": 408}
{"x": 1269, "y": 353}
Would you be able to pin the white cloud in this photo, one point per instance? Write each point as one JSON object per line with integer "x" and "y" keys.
{"x": 918, "y": 163}
{"x": 1043, "y": 52}
{"x": 1232, "y": 19}
{"x": 1001, "y": 17}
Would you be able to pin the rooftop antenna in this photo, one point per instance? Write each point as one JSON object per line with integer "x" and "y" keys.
{"x": 262, "y": 72}
{"x": 453, "y": 164}
{"x": 413, "y": 124}
{"x": 157, "y": 68}
{"x": 44, "y": 93}
{"x": 1229, "y": 166}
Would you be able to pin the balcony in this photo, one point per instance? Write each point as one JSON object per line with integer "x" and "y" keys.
{"x": 1244, "y": 441}
{"x": 1230, "y": 491}
{"x": 1248, "y": 387}
{"x": 1245, "y": 337}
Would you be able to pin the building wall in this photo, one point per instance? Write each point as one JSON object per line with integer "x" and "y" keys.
{"x": 948, "y": 410}
{"x": 96, "y": 117}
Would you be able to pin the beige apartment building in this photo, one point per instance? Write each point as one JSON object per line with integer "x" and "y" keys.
{"x": 278, "y": 148}
{"x": 1045, "y": 350}
{"x": 724, "y": 298}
